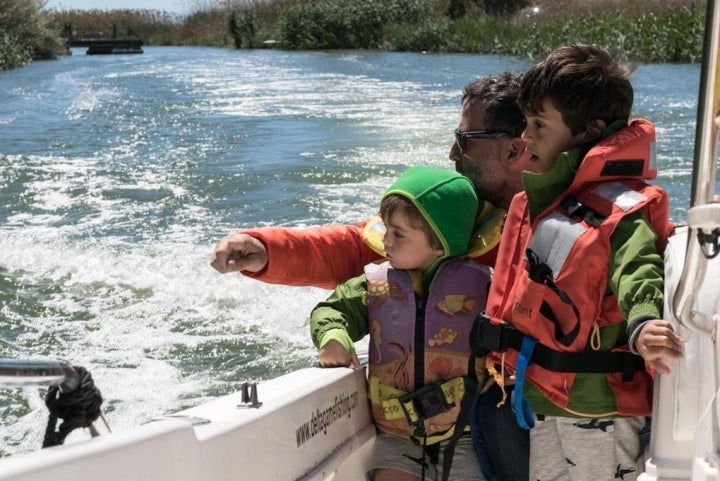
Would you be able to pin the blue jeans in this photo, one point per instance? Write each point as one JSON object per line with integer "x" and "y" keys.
{"x": 506, "y": 444}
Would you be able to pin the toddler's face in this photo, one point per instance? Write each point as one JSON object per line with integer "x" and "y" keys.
{"x": 546, "y": 136}
{"x": 407, "y": 247}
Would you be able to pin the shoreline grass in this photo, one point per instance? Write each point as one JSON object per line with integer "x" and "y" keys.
{"x": 646, "y": 31}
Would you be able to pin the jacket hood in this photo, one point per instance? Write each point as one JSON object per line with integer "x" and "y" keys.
{"x": 446, "y": 200}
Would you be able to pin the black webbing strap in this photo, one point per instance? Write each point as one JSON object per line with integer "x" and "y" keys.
{"x": 542, "y": 273}
{"x": 463, "y": 420}
{"x": 489, "y": 336}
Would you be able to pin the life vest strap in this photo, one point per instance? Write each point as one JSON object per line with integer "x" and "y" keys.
{"x": 498, "y": 337}
{"x": 521, "y": 406}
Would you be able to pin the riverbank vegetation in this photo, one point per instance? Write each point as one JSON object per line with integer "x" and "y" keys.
{"x": 649, "y": 31}
{"x": 645, "y": 30}
{"x": 26, "y": 34}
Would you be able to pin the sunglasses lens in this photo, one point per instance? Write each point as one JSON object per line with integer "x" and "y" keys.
{"x": 460, "y": 141}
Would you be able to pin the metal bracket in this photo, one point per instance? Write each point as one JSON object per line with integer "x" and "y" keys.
{"x": 249, "y": 396}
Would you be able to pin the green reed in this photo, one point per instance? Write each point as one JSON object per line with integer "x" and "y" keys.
{"x": 672, "y": 36}
{"x": 648, "y": 31}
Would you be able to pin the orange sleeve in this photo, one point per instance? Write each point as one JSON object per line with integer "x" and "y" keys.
{"x": 317, "y": 256}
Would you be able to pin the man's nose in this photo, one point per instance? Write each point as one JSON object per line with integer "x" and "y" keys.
{"x": 454, "y": 155}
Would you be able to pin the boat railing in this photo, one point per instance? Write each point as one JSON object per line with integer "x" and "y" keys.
{"x": 704, "y": 216}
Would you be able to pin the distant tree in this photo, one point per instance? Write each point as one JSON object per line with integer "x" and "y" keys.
{"x": 504, "y": 8}
{"x": 26, "y": 34}
{"x": 242, "y": 28}
{"x": 337, "y": 24}
{"x": 456, "y": 9}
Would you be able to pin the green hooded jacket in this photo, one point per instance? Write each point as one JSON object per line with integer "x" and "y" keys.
{"x": 447, "y": 201}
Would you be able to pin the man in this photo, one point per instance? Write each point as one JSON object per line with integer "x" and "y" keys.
{"x": 489, "y": 151}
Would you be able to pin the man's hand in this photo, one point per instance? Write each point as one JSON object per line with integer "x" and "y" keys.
{"x": 657, "y": 341}
{"x": 333, "y": 354}
{"x": 239, "y": 252}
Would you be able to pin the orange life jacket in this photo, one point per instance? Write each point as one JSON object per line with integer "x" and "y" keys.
{"x": 552, "y": 277}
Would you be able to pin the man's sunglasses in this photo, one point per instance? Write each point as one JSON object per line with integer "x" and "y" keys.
{"x": 461, "y": 138}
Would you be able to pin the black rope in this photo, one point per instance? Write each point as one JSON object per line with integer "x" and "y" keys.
{"x": 709, "y": 243}
{"x": 78, "y": 408}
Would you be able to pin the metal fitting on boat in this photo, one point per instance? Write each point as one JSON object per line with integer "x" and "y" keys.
{"x": 249, "y": 396}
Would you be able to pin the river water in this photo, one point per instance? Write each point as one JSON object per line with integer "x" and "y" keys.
{"x": 118, "y": 174}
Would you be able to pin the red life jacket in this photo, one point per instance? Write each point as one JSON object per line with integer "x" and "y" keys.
{"x": 552, "y": 276}
{"x": 398, "y": 365}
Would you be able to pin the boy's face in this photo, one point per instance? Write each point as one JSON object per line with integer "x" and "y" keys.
{"x": 407, "y": 247}
{"x": 546, "y": 136}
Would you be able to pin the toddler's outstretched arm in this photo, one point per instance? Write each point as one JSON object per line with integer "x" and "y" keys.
{"x": 657, "y": 342}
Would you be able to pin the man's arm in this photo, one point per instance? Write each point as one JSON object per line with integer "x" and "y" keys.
{"x": 318, "y": 256}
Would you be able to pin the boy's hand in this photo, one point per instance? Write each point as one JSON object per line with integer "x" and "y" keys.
{"x": 334, "y": 354}
{"x": 657, "y": 341}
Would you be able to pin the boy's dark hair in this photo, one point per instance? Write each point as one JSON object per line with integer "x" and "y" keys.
{"x": 584, "y": 82}
{"x": 499, "y": 93}
{"x": 396, "y": 203}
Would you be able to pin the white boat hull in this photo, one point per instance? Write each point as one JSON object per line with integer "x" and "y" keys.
{"x": 313, "y": 424}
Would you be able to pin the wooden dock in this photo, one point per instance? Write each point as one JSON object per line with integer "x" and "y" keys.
{"x": 103, "y": 42}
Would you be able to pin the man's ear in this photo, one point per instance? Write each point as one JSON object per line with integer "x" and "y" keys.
{"x": 595, "y": 128}
{"x": 514, "y": 149}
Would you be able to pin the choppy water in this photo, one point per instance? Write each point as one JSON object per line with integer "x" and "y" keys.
{"x": 118, "y": 174}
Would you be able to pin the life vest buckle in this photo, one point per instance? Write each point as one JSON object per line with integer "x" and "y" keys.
{"x": 428, "y": 401}
{"x": 488, "y": 336}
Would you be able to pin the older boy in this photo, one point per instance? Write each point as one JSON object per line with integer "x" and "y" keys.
{"x": 578, "y": 284}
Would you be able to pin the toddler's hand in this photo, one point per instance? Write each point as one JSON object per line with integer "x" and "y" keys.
{"x": 334, "y": 354}
{"x": 658, "y": 341}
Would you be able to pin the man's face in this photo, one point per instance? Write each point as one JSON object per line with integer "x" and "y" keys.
{"x": 492, "y": 164}
{"x": 546, "y": 136}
